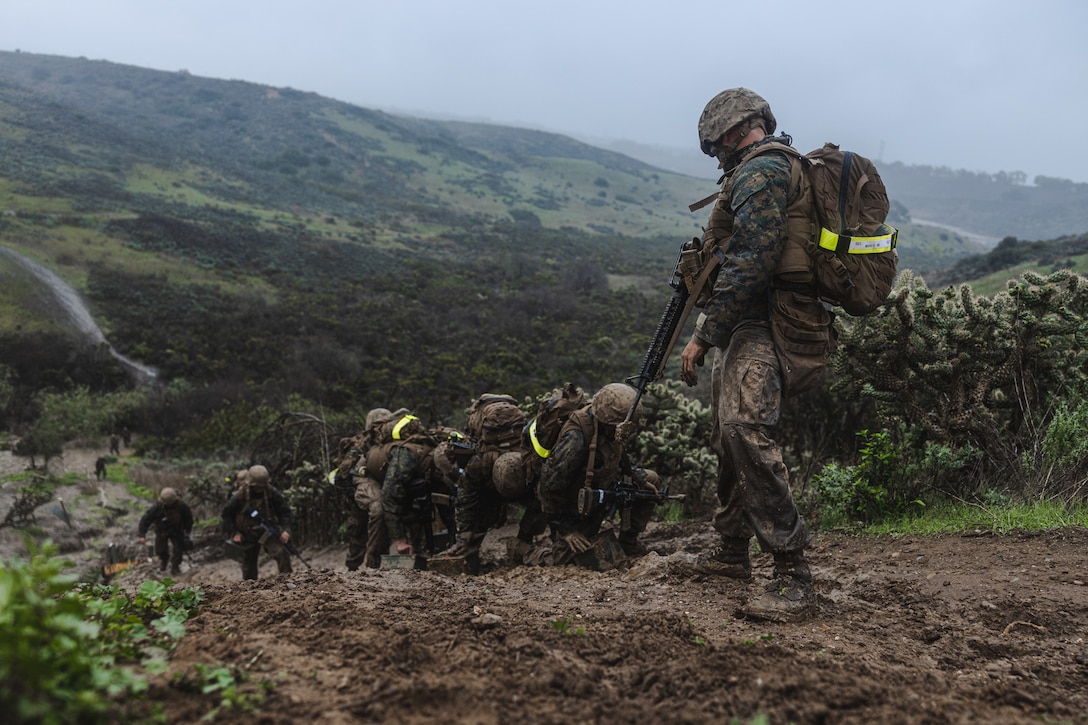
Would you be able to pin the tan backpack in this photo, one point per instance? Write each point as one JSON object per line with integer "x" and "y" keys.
{"x": 495, "y": 422}
{"x": 852, "y": 248}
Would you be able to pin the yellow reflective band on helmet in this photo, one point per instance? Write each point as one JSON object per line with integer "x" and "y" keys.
{"x": 400, "y": 424}
{"x": 859, "y": 245}
{"x": 537, "y": 446}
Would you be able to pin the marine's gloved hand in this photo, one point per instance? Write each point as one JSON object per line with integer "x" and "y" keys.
{"x": 284, "y": 537}
{"x": 577, "y": 541}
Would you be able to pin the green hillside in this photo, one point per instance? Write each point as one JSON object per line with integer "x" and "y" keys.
{"x": 270, "y": 242}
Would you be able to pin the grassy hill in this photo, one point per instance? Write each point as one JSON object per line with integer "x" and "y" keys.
{"x": 269, "y": 241}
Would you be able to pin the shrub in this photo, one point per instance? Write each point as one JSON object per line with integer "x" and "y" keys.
{"x": 66, "y": 652}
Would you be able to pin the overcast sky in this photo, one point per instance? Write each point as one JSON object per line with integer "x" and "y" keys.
{"x": 983, "y": 85}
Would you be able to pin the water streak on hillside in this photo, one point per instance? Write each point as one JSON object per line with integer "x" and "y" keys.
{"x": 76, "y": 313}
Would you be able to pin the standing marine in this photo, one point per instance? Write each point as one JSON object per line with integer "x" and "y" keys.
{"x": 751, "y": 223}
{"x": 255, "y": 502}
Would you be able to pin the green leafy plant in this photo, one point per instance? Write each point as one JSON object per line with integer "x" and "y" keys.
{"x": 563, "y": 626}
{"x": 234, "y": 687}
{"x": 66, "y": 651}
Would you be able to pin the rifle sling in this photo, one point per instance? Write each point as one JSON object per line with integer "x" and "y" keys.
{"x": 693, "y": 295}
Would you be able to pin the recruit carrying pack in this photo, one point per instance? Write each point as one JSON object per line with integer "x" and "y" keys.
{"x": 401, "y": 428}
{"x": 552, "y": 414}
{"x": 494, "y": 422}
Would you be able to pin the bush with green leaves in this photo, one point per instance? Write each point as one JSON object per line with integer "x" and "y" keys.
{"x": 896, "y": 473}
{"x": 973, "y": 372}
{"x": 68, "y": 653}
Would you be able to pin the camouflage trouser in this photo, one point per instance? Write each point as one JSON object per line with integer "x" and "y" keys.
{"x": 533, "y": 522}
{"x": 274, "y": 548}
{"x": 753, "y": 483}
{"x": 355, "y": 528}
{"x": 168, "y": 550}
{"x": 372, "y": 539}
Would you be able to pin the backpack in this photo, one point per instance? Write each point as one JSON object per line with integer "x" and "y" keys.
{"x": 552, "y": 413}
{"x": 852, "y": 249}
{"x": 402, "y": 429}
{"x": 494, "y": 422}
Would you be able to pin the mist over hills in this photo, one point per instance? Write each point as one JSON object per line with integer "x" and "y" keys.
{"x": 339, "y": 251}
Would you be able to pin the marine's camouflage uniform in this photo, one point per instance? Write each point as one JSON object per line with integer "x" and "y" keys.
{"x": 753, "y": 483}
{"x": 364, "y": 525}
{"x": 173, "y": 524}
{"x": 481, "y": 507}
{"x": 272, "y": 506}
{"x": 403, "y": 519}
{"x": 564, "y": 472}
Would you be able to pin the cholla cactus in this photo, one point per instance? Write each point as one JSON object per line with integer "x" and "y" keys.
{"x": 970, "y": 369}
{"x": 674, "y": 441}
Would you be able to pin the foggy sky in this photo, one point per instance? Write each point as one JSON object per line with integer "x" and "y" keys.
{"x": 982, "y": 85}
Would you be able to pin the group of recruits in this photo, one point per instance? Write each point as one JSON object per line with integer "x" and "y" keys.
{"x": 172, "y": 520}
{"x": 393, "y": 471}
{"x": 396, "y": 474}
{"x": 395, "y": 463}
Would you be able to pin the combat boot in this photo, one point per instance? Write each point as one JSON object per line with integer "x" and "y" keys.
{"x": 631, "y": 545}
{"x": 731, "y": 560}
{"x": 789, "y": 597}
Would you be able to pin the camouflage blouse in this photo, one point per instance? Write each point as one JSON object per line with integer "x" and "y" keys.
{"x": 756, "y": 194}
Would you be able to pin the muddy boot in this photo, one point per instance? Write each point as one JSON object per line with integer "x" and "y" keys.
{"x": 631, "y": 545}
{"x": 790, "y": 596}
{"x": 175, "y": 569}
{"x": 518, "y": 550}
{"x": 731, "y": 560}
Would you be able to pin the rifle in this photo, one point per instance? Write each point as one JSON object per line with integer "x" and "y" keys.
{"x": 689, "y": 276}
{"x": 620, "y": 497}
{"x": 271, "y": 530}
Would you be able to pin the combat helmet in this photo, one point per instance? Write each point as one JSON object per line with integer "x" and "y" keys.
{"x": 258, "y": 476}
{"x": 729, "y": 109}
{"x": 613, "y": 401}
{"x": 376, "y": 415}
{"x": 168, "y": 496}
{"x": 508, "y": 475}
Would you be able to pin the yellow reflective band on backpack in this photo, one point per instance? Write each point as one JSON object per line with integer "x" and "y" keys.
{"x": 400, "y": 424}
{"x": 858, "y": 245}
{"x": 537, "y": 446}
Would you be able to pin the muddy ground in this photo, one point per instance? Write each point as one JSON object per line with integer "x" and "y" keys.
{"x": 973, "y": 628}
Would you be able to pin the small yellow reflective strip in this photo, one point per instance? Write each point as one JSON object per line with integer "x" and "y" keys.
{"x": 400, "y": 424}
{"x": 858, "y": 245}
{"x": 332, "y": 476}
{"x": 537, "y": 445}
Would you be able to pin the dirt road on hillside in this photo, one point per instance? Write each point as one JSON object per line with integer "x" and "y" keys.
{"x": 953, "y": 629}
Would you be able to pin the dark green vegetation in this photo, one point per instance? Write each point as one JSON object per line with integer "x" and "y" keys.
{"x": 67, "y": 652}
{"x": 269, "y": 250}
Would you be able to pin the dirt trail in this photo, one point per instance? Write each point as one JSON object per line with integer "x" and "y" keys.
{"x": 950, "y": 629}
